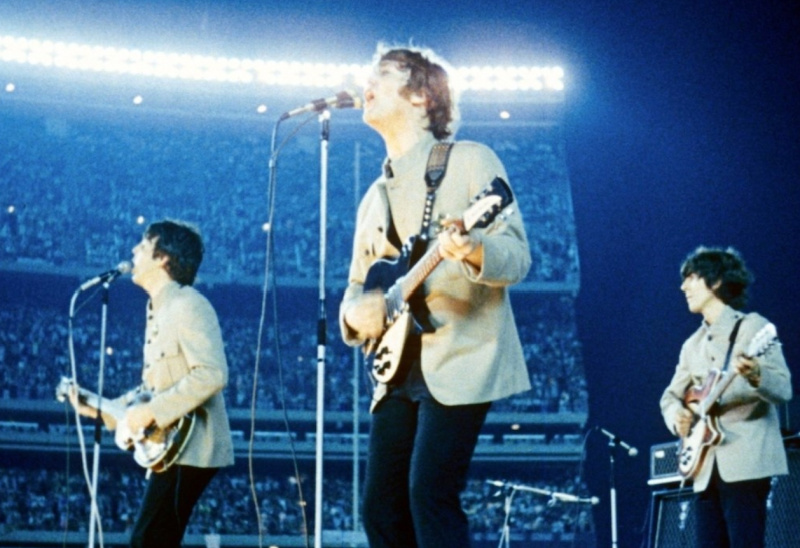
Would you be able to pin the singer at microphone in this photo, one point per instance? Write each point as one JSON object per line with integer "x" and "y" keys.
{"x": 183, "y": 349}
{"x": 409, "y": 104}
{"x": 107, "y": 277}
{"x": 343, "y": 99}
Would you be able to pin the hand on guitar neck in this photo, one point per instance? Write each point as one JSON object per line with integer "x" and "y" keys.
{"x": 456, "y": 245}
{"x": 137, "y": 418}
{"x": 749, "y": 369}
{"x": 78, "y": 402}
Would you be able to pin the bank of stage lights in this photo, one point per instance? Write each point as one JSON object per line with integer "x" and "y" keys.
{"x": 79, "y": 57}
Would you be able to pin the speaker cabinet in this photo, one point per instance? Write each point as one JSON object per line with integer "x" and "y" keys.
{"x": 783, "y": 527}
{"x": 672, "y": 512}
{"x": 672, "y": 518}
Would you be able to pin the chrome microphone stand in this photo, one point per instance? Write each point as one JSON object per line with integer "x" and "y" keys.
{"x": 613, "y": 442}
{"x": 94, "y": 519}
{"x": 505, "y": 535}
{"x": 511, "y": 488}
{"x": 612, "y": 497}
{"x": 324, "y": 118}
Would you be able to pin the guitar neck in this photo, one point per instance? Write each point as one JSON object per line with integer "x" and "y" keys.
{"x": 761, "y": 341}
{"x": 421, "y": 270}
{"x": 718, "y": 390}
{"x": 107, "y": 406}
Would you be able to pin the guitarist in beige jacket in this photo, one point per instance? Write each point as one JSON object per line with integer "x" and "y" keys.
{"x": 740, "y": 446}
{"x": 425, "y": 422}
{"x": 185, "y": 371}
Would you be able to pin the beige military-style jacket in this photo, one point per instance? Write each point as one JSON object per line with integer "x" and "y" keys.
{"x": 752, "y": 446}
{"x": 185, "y": 369}
{"x": 475, "y": 354}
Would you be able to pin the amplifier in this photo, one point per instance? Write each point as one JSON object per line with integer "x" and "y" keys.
{"x": 664, "y": 463}
{"x": 673, "y": 513}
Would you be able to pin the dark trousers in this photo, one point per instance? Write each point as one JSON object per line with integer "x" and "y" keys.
{"x": 419, "y": 455}
{"x": 732, "y": 515}
{"x": 168, "y": 502}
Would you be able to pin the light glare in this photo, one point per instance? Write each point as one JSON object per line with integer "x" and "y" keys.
{"x": 183, "y": 66}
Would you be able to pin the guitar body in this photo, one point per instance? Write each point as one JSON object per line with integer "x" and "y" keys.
{"x": 384, "y": 354}
{"x": 154, "y": 448}
{"x": 705, "y": 432}
{"x": 384, "y": 272}
{"x": 384, "y": 358}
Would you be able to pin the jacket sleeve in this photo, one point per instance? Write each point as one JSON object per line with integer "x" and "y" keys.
{"x": 506, "y": 253}
{"x": 369, "y": 244}
{"x": 672, "y": 398}
{"x": 776, "y": 382}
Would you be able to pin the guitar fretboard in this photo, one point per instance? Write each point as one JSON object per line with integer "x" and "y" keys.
{"x": 417, "y": 274}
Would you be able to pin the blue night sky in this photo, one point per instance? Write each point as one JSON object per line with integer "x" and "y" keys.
{"x": 681, "y": 127}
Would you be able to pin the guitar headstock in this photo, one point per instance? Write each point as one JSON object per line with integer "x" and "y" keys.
{"x": 488, "y": 204}
{"x": 761, "y": 341}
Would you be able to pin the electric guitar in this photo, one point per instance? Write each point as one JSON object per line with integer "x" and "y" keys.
{"x": 153, "y": 448}
{"x": 705, "y": 431}
{"x": 384, "y": 352}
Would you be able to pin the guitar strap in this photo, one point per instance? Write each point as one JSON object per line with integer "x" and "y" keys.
{"x": 731, "y": 340}
{"x": 434, "y": 173}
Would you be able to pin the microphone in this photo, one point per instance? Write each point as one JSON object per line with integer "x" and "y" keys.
{"x": 566, "y": 497}
{"x": 343, "y": 99}
{"x": 632, "y": 451}
{"x": 107, "y": 277}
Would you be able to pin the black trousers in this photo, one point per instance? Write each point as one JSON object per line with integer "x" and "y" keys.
{"x": 732, "y": 515}
{"x": 168, "y": 502}
{"x": 419, "y": 455}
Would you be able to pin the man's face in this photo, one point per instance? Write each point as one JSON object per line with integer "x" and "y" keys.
{"x": 698, "y": 295}
{"x": 383, "y": 101}
{"x": 144, "y": 264}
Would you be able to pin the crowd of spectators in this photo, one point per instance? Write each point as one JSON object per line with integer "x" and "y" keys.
{"x": 76, "y": 190}
{"x": 53, "y": 500}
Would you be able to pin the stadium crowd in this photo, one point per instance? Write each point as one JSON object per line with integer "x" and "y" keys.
{"x": 52, "y": 500}
{"x": 76, "y": 191}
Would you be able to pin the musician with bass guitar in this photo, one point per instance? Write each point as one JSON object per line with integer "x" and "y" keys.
{"x": 184, "y": 373}
{"x": 722, "y": 402}
{"x": 432, "y": 311}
